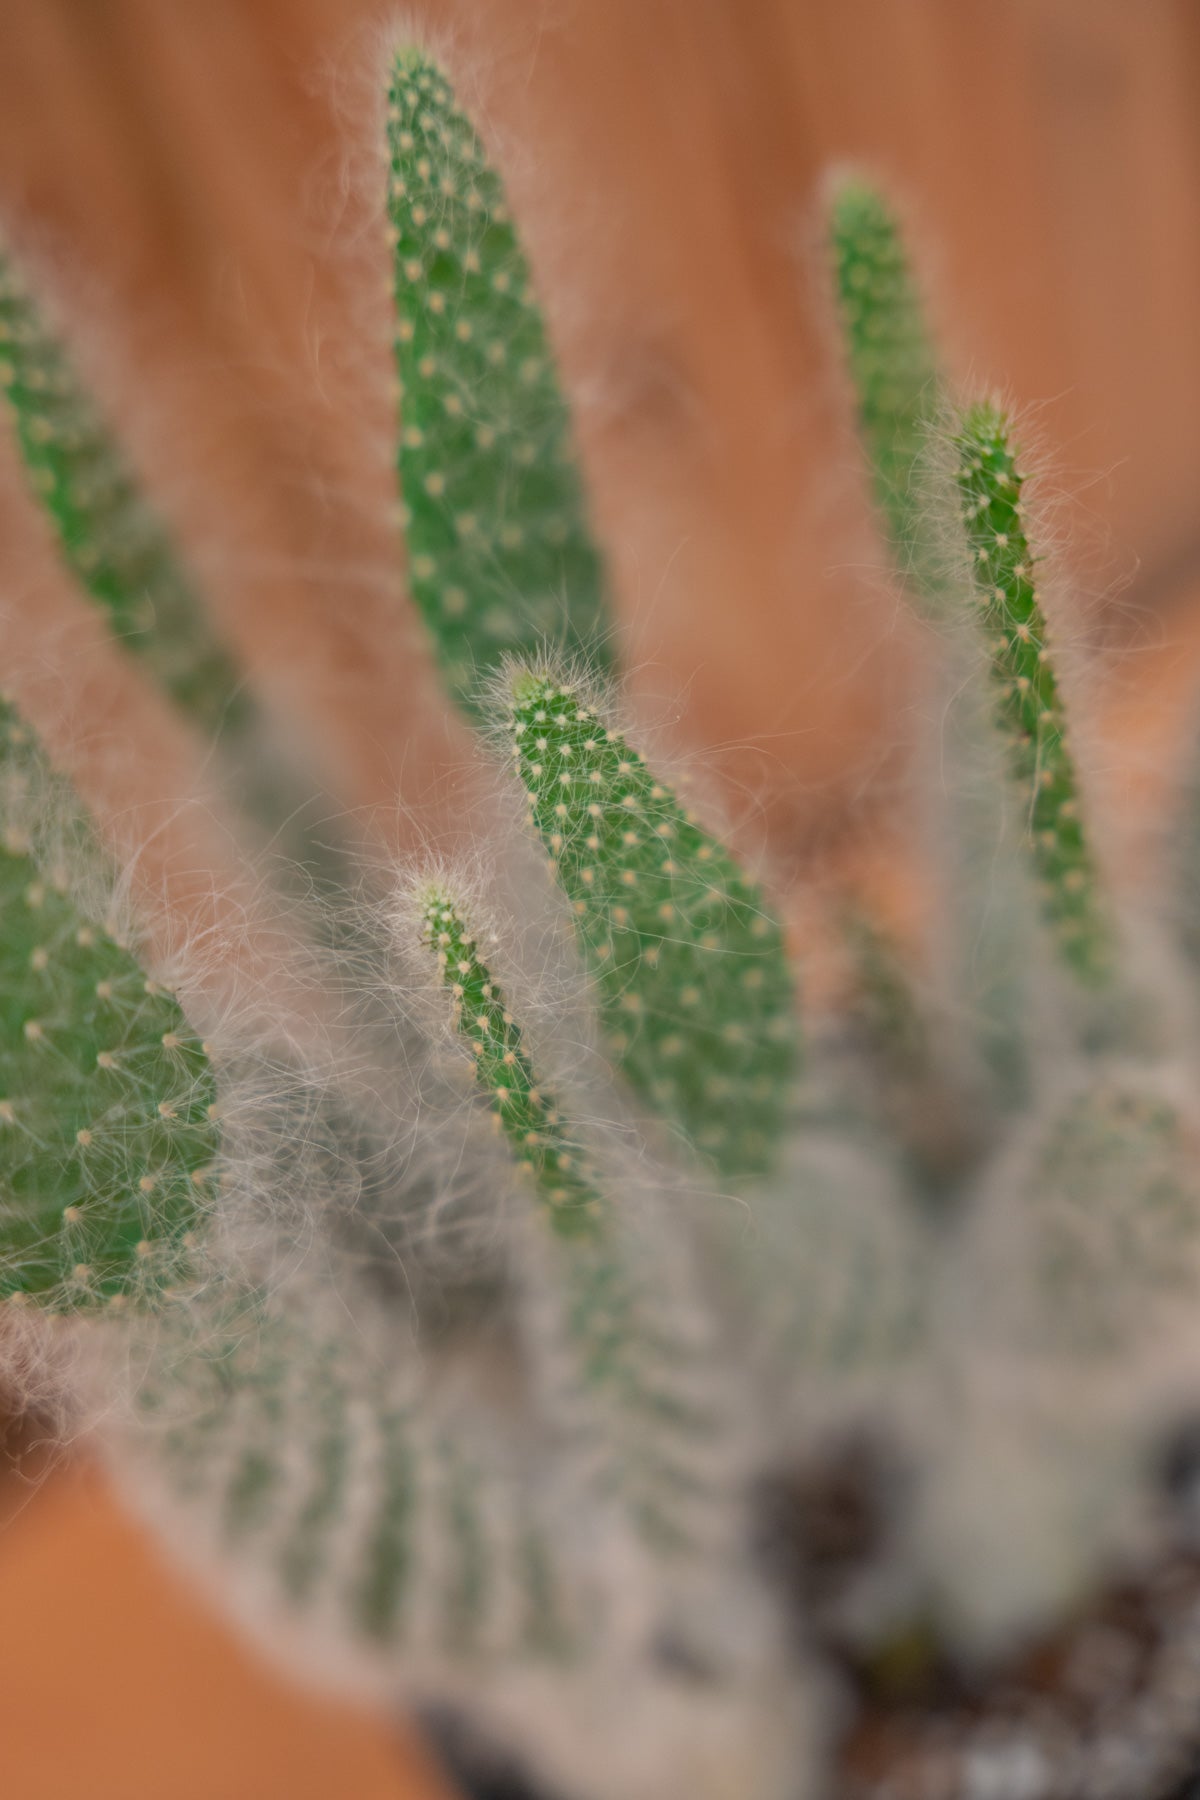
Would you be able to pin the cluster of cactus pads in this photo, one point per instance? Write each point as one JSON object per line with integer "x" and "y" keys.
{"x": 522, "y": 1473}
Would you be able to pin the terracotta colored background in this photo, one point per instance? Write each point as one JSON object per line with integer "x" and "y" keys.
{"x": 196, "y": 184}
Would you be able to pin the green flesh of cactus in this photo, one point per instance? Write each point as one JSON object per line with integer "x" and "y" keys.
{"x": 111, "y": 539}
{"x": 893, "y": 371}
{"x": 501, "y": 558}
{"x": 106, "y": 1139}
{"x": 1028, "y": 706}
{"x": 624, "y": 1354}
{"x": 692, "y": 978}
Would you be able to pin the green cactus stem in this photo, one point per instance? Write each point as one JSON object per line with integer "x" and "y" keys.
{"x": 893, "y": 371}
{"x": 110, "y": 537}
{"x": 692, "y": 978}
{"x": 1028, "y": 706}
{"x": 107, "y": 1133}
{"x": 501, "y": 558}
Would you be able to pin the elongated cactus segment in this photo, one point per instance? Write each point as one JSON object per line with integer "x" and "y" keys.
{"x": 501, "y": 558}
{"x": 109, "y": 535}
{"x": 106, "y": 1138}
{"x": 300, "y": 1449}
{"x": 692, "y": 978}
{"x": 893, "y": 371}
{"x": 1029, "y": 708}
{"x": 528, "y": 1115}
{"x": 616, "y": 1327}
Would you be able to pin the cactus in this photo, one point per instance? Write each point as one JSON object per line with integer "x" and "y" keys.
{"x": 529, "y": 1116}
{"x": 692, "y": 980}
{"x": 501, "y": 559}
{"x": 533, "y": 1476}
{"x": 109, "y": 535}
{"x": 107, "y": 1142}
{"x": 894, "y": 374}
{"x": 1028, "y": 705}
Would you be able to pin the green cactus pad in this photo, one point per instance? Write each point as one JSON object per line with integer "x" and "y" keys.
{"x": 691, "y": 973}
{"x": 109, "y": 536}
{"x": 501, "y": 558}
{"x": 1029, "y": 708}
{"x": 892, "y": 368}
{"x": 106, "y": 1133}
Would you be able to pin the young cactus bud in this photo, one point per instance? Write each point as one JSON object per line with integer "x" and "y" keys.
{"x": 691, "y": 974}
{"x": 501, "y": 558}
{"x": 106, "y": 1133}
{"x": 892, "y": 368}
{"x": 109, "y": 536}
{"x": 1029, "y": 708}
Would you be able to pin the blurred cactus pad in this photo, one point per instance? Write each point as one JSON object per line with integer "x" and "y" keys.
{"x": 891, "y": 362}
{"x": 112, "y": 538}
{"x": 537, "y": 1335}
{"x": 107, "y": 1142}
{"x": 501, "y": 557}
